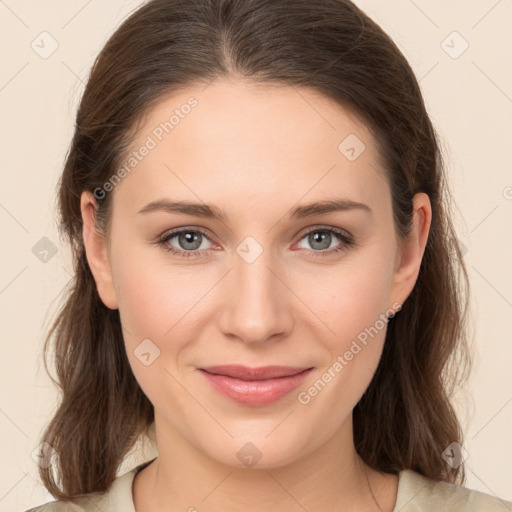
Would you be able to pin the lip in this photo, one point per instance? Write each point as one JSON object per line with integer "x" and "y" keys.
{"x": 255, "y": 386}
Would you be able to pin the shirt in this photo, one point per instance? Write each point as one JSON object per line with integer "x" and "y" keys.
{"x": 415, "y": 494}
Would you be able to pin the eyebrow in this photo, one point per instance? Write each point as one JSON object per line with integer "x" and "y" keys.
{"x": 212, "y": 212}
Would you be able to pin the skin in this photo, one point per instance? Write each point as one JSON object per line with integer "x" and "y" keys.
{"x": 256, "y": 152}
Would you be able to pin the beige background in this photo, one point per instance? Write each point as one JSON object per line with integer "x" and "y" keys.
{"x": 470, "y": 101}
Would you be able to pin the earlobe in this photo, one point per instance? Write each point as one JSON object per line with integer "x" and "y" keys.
{"x": 412, "y": 249}
{"x": 96, "y": 251}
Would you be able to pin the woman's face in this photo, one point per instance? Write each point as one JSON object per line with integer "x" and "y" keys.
{"x": 260, "y": 276}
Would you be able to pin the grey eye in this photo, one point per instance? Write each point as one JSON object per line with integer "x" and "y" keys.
{"x": 320, "y": 239}
{"x": 189, "y": 240}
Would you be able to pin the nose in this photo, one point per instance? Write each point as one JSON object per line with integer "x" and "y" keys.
{"x": 258, "y": 304}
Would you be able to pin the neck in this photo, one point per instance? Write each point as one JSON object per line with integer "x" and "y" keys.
{"x": 330, "y": 477}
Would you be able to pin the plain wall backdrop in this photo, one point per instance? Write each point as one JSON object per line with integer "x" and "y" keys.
{"x": 461, "y": 53}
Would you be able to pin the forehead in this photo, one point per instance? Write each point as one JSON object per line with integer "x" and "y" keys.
{"x": 251, "y": 139}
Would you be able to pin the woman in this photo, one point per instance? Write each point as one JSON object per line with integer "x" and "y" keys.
{"x": 265, "y": 271}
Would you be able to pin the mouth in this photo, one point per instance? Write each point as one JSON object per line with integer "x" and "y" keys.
{"x": 254, "y": 374}
{"x": 255, "y": 386}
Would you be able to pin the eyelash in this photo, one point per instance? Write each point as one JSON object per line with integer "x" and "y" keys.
{"x": 346, "y": 241}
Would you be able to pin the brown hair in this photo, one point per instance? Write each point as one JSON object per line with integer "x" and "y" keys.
{"x": 404, "y": 419}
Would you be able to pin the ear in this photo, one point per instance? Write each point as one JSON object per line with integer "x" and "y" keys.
{"x": 96, "y": 251}
{"x": 412, "y": 249}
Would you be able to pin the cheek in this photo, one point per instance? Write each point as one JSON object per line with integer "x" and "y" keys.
{"x": 353, "y": 305}
{"x": 152, "y": 297}
{"x": 353, "y": 298}
{"x": 352, "y": 357}
{"x": 153, "y": 303}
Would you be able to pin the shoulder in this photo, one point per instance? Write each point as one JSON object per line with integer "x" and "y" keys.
{"x": 57, "y": 506}
{"x": 118, "y": 497}
{"x": 417, "y": 493}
